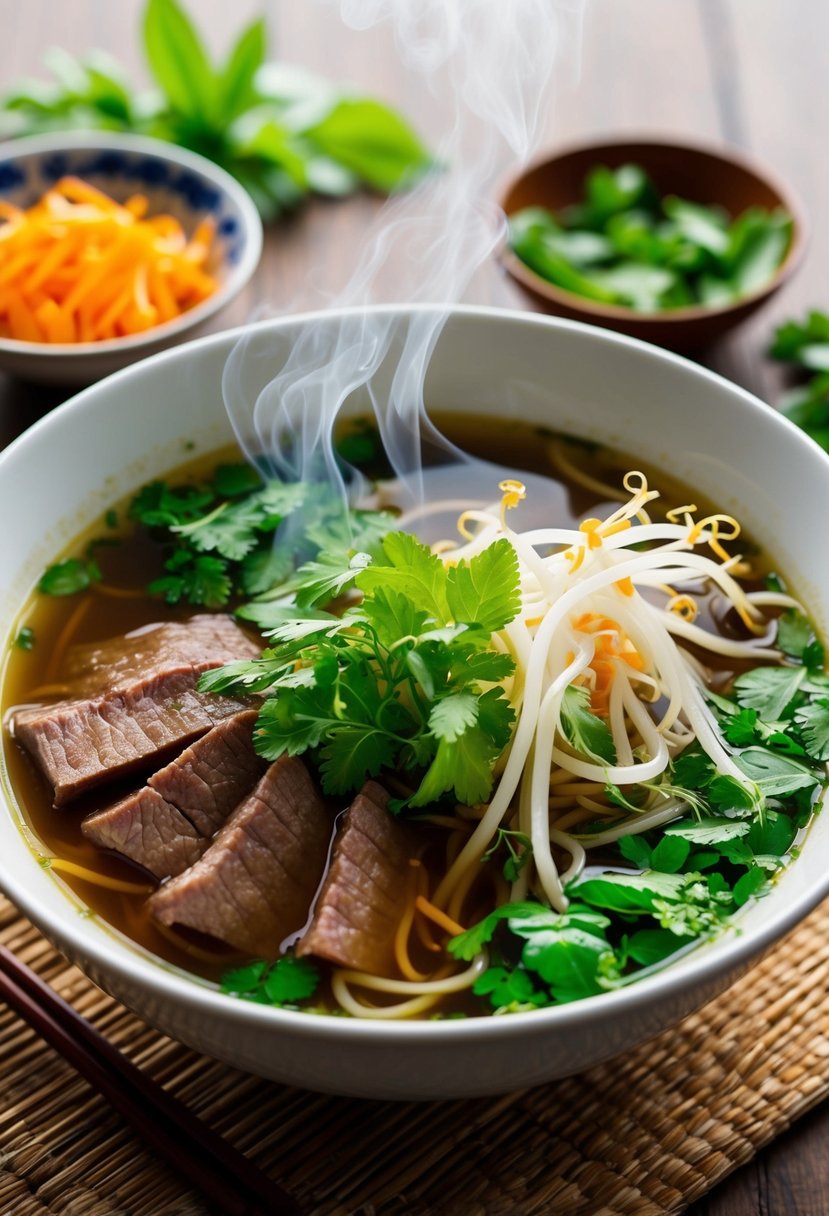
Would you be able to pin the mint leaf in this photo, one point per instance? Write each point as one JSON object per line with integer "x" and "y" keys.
{"x": 628, "y": 892}
{"x": 636, "y": 850}
{"x": 670, "y": 855}
{"x": 750, "y": 883}
{"x": 774, "y": 774}
{"x": 651, "y": 946}
{"x": 709, "y": 831}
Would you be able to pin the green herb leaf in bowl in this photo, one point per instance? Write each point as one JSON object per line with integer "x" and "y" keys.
{"x": 626, "y": 246}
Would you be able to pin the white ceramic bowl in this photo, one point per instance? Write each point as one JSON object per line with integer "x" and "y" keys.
{"x": 114, "y": 436}
{"x": 177, "y": 183}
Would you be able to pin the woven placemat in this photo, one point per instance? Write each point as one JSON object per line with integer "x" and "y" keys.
{"x": 644, "y": 1135}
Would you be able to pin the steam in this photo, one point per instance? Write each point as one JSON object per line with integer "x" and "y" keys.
{"x": 488, "y": 63}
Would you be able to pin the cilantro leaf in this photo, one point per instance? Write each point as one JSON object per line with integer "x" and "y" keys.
{"x": 741, "y": 728}
{"x": 68, "y": 577}
{"x": 508, "y": 987}
{"x": 769, "y": 689}
{"x": 451, "y": 716}
{"x": 587, "y": 733}
{"x": 464, "y": 765}
{"x": 485, "y": 590}
{"x": 287, "y": 981}
{"x": 414, "y": 571}
{"x": 813, "y": 723}
{"x": 466, "y": 945}
{"x": 352, "y": 753}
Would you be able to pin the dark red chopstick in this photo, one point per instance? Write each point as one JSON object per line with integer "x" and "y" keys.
{"x": 229, "y": 1182}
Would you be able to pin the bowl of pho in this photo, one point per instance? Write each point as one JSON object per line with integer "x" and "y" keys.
{"x": 411, "y": 739}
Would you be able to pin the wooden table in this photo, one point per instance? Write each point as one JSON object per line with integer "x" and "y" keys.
{"x": 750, "y": 72}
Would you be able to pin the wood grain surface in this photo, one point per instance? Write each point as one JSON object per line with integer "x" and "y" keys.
{"x": 749, "y": 72}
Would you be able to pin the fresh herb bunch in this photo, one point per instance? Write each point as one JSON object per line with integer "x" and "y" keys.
{"x": 688, "y": 878}
{"x": 279, "y": 130}
{"x": 401, "y": 680}
{"x": 626, "y": 245}
{"x": 220, "y": 538}
{"x": 805, "y": 345}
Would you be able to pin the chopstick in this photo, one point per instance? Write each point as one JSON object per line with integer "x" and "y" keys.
{"x": 230, "y": 1183}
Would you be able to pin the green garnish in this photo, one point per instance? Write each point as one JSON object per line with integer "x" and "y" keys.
{"x": 805, "y": 345}
{"x": 398, "y": 680}
{"x": 693, "y": 874}
{"x": 219, "y": 540}
{"x": 69, "y": 577}
{"x": 286, "y": 982}
{"x": 626, "y": 246}
{"x": 25, "y": 639}
{"x": 281, "y": 131}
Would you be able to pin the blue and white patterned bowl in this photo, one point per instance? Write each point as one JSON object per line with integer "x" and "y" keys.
{"x": 176, "y": 182}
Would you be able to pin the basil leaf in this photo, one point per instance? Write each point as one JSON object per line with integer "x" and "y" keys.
{"x": 179, "y": 61}
{"x": 371, "y": 140}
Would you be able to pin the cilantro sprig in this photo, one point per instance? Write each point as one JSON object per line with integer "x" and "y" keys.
{"x": 288, "y": 982}
{"x": 406, "y": 679}
{"x": 219, "y": 540}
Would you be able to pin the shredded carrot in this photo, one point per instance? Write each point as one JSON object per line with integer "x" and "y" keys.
{"x": 79, "y": 266}
{"x": 439, "y": 917}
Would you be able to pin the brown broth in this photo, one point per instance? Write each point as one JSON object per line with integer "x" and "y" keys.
{"x": 128, "y": 566}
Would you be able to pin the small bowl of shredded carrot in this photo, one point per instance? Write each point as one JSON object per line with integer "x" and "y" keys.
{"x": 112, "y": 248}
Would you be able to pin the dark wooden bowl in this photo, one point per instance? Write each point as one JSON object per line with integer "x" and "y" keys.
{"x": 703, "y": 175}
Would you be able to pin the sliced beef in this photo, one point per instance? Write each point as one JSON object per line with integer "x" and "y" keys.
{"x": 205, "y": 640}
{"x": 148, "y": 830}
{"x": 145, "y": 708}
{"x": 254, "y": 885}
{"x": 365, "y": 891}
{"x": 168, "y": 824}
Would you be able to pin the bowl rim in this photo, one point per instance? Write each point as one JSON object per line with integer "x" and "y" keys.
{"x": 726, "y": 154}
{"x": 112, "y": 952}
{"x": 161, "y": 150}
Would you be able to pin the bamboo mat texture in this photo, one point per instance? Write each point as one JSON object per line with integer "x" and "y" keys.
{"x": 644, "y": 1135}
